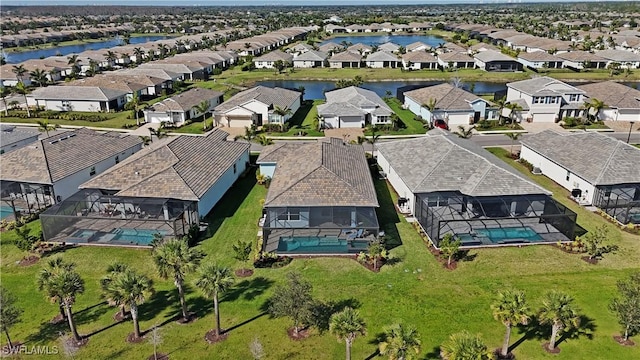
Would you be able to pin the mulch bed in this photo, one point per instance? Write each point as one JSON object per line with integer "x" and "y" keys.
{"x": 497, "y": 354}
{"x": 622, "y": 341}
{"x": 588, "y": 260}
{"x": 192, "y": 318}
{"x": 302, "y": 334}
{"x": 242, "y": 273}
{"x": 567, "y": 251}
{"x": 212, "y": 338}
{"x": 132, "y": 339}
{"x": 160, "y": 356}
{"x": 29, "y": 260}
{"x": 118, "y": 316}
{"x": 369, "y": 265}
{"x": 57, "y": 320}
{"x": 545, "y": 346}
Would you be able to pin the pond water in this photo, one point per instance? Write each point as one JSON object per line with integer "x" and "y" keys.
{"x": 402, "y": 40}
{"x": 316, "y": 89}
{"x": 17, "y": 57}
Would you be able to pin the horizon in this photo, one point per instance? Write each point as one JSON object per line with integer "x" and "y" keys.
{"x": 196, "y": 3}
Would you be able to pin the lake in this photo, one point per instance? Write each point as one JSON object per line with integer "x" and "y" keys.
{"x": 402, "y": 40}
{"x": 316, "y": 89}
{"x": 18, "y": 57}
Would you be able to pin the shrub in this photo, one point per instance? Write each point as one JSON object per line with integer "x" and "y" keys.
{"x": 271, "y": 260}
{"x": 527, "y": 164}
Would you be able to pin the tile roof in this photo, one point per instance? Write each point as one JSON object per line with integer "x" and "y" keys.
{"x": 283, "y": 98}
{"x": 346, "y": 56}
{"x": 447, "y": 96}
{"x": 89, "y": 93}
{"x": 389, "y": 46}
{"x": 184, "y": 167}
{"x": 621, "y": 56}
{"x": 324, "y": 173}
{"x": 543, "y": 85}
{"x": 538, "y": 56}
{"x": 597, "y": 158}
{"x": 350, "y": 98}
{"x": 64, "y": 154}
{"x": 108, "y": 82}
{"x": 11, "y": 135}
{"x": 275, "y": 56}
{"x": 492, "y": 55}
{"x": 613, "y": 94}
{"x": 311, "y": 55}
{"x": 419, "y": 57}
{"x": 455, "y": 56}
{"x": 580, "y": 56}
{"x": 187, "y": 100}
{"x": 441, "y": 161}
{"x": 382, "y": 56}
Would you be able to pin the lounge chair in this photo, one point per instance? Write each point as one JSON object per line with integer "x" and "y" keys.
{"x": 355, "y": 234}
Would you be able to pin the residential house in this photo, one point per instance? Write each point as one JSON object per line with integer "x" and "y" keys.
{"x": 382, "y": 59}
{"x": 452, "y": 186}
{"x": 168, "y": 77}
{"x": 626, "y": 59}
{"x": 310, "y": 59}
{"x": 389, "y": 47}
{"x": 418, "y": 60}
{"x": 455, "y": 60}
{"x": 353, "y": 107}
{"x": 163, "y": 190}
{"x": 78, "y": 98}
{"x": 321, "y": 198}
{"x": 418, "y": 46}
{"x": 491, "y": 60}
{"x": 579, "y": 60}
{"x": 268, "y": 60}
{"x": 178, "y": 109}
{"x": 330, "y": 48}
{"x": 453, "y": 105}
{"x": 153, "y": 85}
{"x": 334, "y": 29}
{"x": 9, "y": 78}
{"x": 48, "y": 171}
{"x": 345, "y": 59}
{"x": 106, "y": 81}
{"x": 12, "y": 138}
{"x": 544, "y": 99}
{"x": 540, "y": 60}
{"x": 257, "y": 106}
{"x": 360, "y": 48}
{"x": 299, "y": 49}
{"x": 187, "y": 70}
{"x": 622, "y": 103}
{"x": 597, "y": 169}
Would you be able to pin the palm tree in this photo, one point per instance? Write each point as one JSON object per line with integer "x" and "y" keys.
{"x": 510, "y": 308}
{"x": 558, "y": 311}
{"x": 174, "y": 258}
{"x": 160, "y": 132}
{"x": 513, "y": 136}
{"x": 465, "y": 133}
{"x": 39, "y": 76}
{"x": 22, "y": 90}
{"x": 213, "y": 280}
{"x": 203, "y": 108}
{"x": 4, "y": 93}
{"x": 464, "y": 346}
{"x": 139, "y": 54}
{"x": 133, "y": 104}
{"x": 401, "y": 342}
{"x": 44, "y": 125}
{"x": 263, "y": 140}
{"x": 111, "y": 57}
{"x": 75, "y": 64}
{"x": 593, "y": 108}
{"x": 113, "y": 271}
{"x": 146, "y": 140}
{"x": 132, "y": 289}
{"x": 501, "y": 103}
{"x": 513, "y": 109}
{"x": 45, "y": 280}
{"x": 249, "y": 133}
{"x": 65, "y": 285}
{"x": 373, "y": 139}
{"x": 20, "y": 71}
{"x": 346, "y": 325}
{"x": 282, "y": 112}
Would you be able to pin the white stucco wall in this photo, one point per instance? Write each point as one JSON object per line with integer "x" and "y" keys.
{"x": 558, "y": 173}
{"x": 268, "y": 169}
{"x": 613, "y": 114}
{"x": 215, "y": 193}
{"x": 396, "y": 182}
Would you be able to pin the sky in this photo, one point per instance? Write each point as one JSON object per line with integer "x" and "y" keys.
{"x": 263, "y": 2}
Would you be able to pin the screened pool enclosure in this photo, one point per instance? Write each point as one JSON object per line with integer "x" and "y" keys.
{"x": 494, "y": 220}
{"x": 621, "y": 201}
{"x": 319, "y": 230}
{"x": 24, "y": 198}
{"x": 95, "y": 217}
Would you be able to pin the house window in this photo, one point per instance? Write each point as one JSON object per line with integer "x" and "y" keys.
{"x": 537, "y": 100}
{"x": 117, "y": 159}
{"x": 235, "y": 168}
{"x": 92, "y": 171}
{"x": 568, "y": 175}
{"x": 574, "y": 97}
{"x": 290, "y": 214}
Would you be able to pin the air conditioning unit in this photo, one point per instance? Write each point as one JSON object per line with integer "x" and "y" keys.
{"x": 536, "y": 171}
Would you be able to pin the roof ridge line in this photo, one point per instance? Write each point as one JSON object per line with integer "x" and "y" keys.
{"x": 606, "y": 164}
{"x": 484, "y": 174}
{"x": 294, "y": 183}
{"x": 122, "y": 164}
{"x": 174, "y": 164}
{"x": 46, "y": 161}
{"x": 439, "y": 161}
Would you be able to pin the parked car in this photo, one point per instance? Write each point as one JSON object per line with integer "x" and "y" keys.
{"x": 439, "y": 123}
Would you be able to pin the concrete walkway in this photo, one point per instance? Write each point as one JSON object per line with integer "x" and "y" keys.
{"x": 144, "y": 129}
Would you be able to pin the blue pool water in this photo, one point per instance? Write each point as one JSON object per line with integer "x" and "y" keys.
{"x": 6, "y": 211}
{"x": 320, "y": 245}
{"x": 499, "y": 236}
{"x": 135, "y": 236}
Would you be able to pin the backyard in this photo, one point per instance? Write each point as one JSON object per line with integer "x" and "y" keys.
{"x": 415, "y": 290}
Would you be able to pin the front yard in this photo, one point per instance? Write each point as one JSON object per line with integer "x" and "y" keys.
{"x": 415, "y": 290}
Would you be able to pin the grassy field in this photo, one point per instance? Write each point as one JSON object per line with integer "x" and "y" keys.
{"x": 114, "y": 120}
{"x": 415, "y": 290}
{"x": 302, "y": 120}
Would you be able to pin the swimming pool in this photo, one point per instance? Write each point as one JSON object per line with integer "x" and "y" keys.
{"x": 135, "y": 236}
{"x": 320, "y": 245}
{"x": 6, "y": 211}
{"x": 505, "y": 235}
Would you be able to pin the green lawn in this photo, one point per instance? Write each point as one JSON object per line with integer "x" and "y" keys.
{"x": 302, "y": 120}
{"x": 411, "y": 126}
{"x": 416, "y": 290}
{"x": 114, "y": 120}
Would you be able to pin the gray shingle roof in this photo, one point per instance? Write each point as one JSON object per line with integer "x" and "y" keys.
{"x": 186, "y": 100}
{"x": 89, "y": 93}
{"x": 311, "y": 55}
{"x": 621, "y": 56}
{"x": 455, "y": 56}
{"x": 613, "y": 94}
{"x": 275, "y": 56}
{"x": 382, "y": 56}
{"x": 350, "y": 99}
{"x": 11, "y": 135}
{"x": 443, "y": 162}
{"x": 324, "y": 173}
{"x": 538, "y": 56}
{"x": 283, "y": 98}
{"x": 184, "y": 167}
{"x": 597, "y": 158}
{"x": 419, "y": 57}
{"x": 62, "y": 155}
{"x": 447, "y": 96}
{"x": 544, "y": 85}
{"x": 346, "y": 56}
{"x": 492, "y": 55}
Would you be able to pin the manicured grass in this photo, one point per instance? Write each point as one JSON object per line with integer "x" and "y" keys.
{"x": 590, "y": 126}
{"x": 114, "y": 120}
{"x": 302, "y": 120}
{"x": 411, "y": 126}
{"x": 505, "y": 127}
{"x": 415, "y": 290}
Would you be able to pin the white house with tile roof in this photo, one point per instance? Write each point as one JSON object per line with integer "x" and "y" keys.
{"x": 544, "y": 99}
{"x": 353, "y": 107}
{"x": 78, "y": 98}
{"x": 177, "y": 109}
{"x": 622, "y": 103}
{"x": 256, "y": 106}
